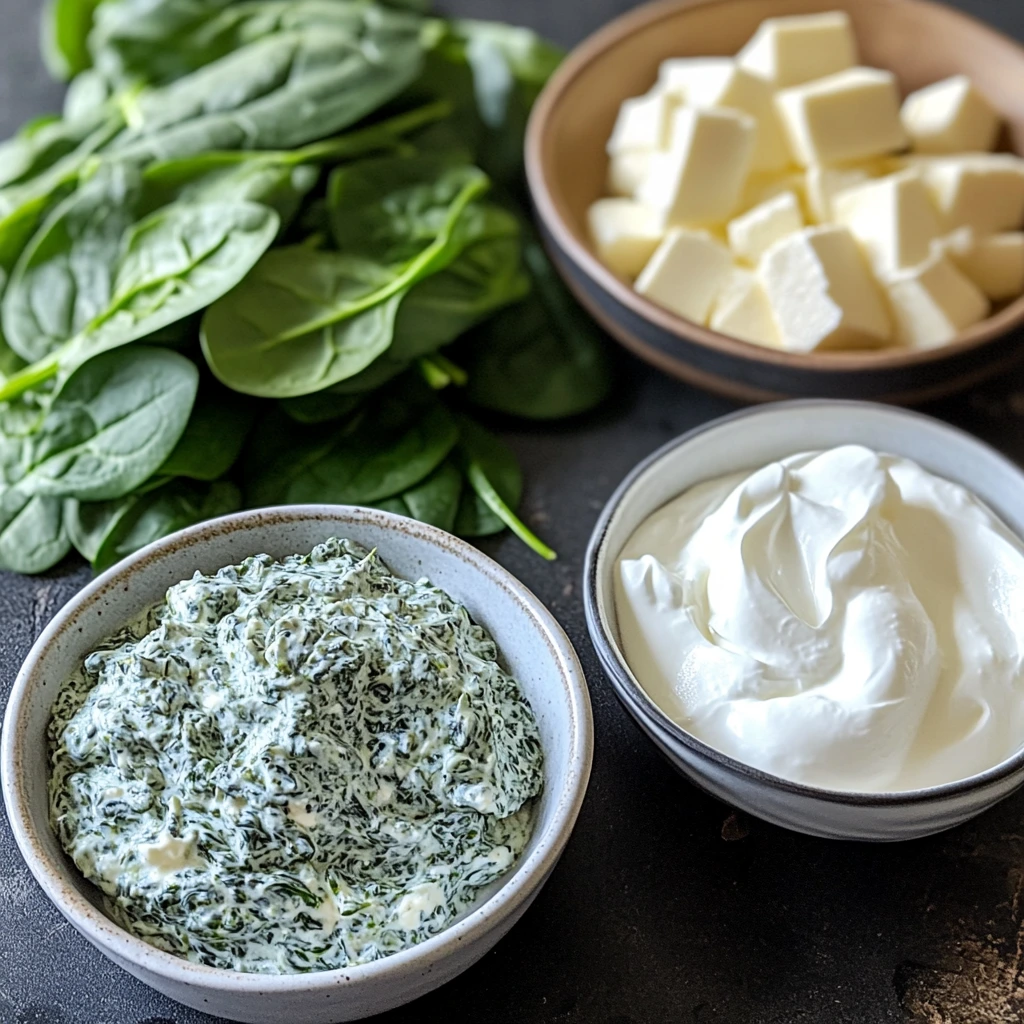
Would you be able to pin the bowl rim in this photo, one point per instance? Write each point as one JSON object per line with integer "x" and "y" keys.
{"x": 553, "y": 214}
{"x": 527, "y": 877}
{"x": 642, "y": 706}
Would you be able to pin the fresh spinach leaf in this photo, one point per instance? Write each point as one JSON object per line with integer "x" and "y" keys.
{"x": 475, "y": 517}
{"x": 106, "y": 532}
{"x": 90, "y": 523}
{"x": 33, "y": 537}
{"x": 277, "y": 92}
{"x": 542, "y": 358}
{"x": 170, "y": 264}
{"x": 391, "y": 209}
{"x": 485, "y": 277}
{"x": 300, "y": 322}
{"x": 110, "y": 426}
{"x": 491, "y": 73}
{"x": 495, "y": 481}
{"x": 131, "y": 37}
{"x": 214, "y": 436}
{"x": 321, "y": 407}
{"x": 305, "y": 319}
{"x": 389, "y": 450}
{"x": 65, "y": 31}
{"x": 435, "y": 500}
{"x": 65, "y": 277}
{"x": 41, "y": 145}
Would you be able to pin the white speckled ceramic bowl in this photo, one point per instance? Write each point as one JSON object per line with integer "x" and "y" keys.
{"x": 748, "y": 440}
{"x": 534, "y": 647}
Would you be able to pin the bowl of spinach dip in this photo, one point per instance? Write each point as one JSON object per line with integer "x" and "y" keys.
{"x": 295, "y": 774}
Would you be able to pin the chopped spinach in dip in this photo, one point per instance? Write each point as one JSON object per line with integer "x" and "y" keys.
{"x": 294, "y": 765}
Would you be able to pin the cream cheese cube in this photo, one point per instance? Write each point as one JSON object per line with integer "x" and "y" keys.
{"x": 707, "y": 82}
{"x": 643, "y": 123}
{"x": 822, "y": 293}
{"x": 982, "y": 191}
{"x": 625, "y": 234}
{"x": 753, "y": 232}
{"x": 742, "y": 310}
{"x": 759, "y": 188}
{"x": 626, "y": 171}
{"x": 686, "y": 274}
{"x": 823, "y": 184}
{"x": 994, "y": 263}
{"x": 932, "y": 303}
{"x": 701, "y": 177}
{"x": 796, "y": 49}
{"x": 950, "y": 116}
{"x": 852, "y": 115}
{"x": 892, "y": 218}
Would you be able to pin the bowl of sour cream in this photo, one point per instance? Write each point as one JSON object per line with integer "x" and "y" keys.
{"x": 304, "y": 763}
{"x": 816, "y": 611}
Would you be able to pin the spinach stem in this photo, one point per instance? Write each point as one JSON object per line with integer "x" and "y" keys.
{"x": 430, "y": 259}
{"x": 375, "y": 137}
{"x": 439, "y": 371}
{"x": 492, "y": 499}
{"x": 433, "y": 374}
{"x": 29, "y": 377}
{"x": 455, "y": 373}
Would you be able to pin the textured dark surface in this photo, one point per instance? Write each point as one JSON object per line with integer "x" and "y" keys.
{"x": 664, "y": 908}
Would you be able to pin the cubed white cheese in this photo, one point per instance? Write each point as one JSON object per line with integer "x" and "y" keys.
{"x": 701, "y": 177}
{"x": 852, "y": 115}
{"x": 762, "y": 187}
{"x": 982, "y": 191}
{"x": 822, "y": 293}
{"x": 893, "y": 219}
{"x": 995, "y": 263}
{"x": 950, "y": 116}
{"x": 795, "y": 49}
{"x": 686, "y": 274}
{"x": 625, "y": 234}
{"x": 932, "y": 303}
{"x": 644, "y": 123}
{"x": 823, "y": 184}
{"x": 742, "y": 310}
{"x": 626, "y": 171}
{"x": 753, "y": 232}
{"x": 707, "y": 82}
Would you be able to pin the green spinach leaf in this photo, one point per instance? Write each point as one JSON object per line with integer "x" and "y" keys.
{"x": 170, "y": 264}
{"x": 389, "y": 450}
{"x": 64, "y": 33}
{"x": 485, "y": 277}
{"x": 391, "y": 209}
{"x": 214, "y": 436}
{"x": 475, "y": 517}
{"x": 106, "y": 532}
{"x": 110, "y": 426}
{"x": 33, "y": 537}
{"x": 542, "y": 358}
{"x": 305, "y": 319}
{"x": 495, "y": 483}
{"x": 434, "y": 500}
{"x": 321, "y": 406}
{"x": 277, "y": 92}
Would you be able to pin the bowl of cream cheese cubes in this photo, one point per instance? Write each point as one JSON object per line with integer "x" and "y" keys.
{"x": 792, "y": 198}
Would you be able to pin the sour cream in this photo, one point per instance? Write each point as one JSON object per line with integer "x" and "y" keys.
{"x": 841, "y": 618}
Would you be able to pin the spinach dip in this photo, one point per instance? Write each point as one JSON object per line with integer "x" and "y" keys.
{"x": 294, "y": 765}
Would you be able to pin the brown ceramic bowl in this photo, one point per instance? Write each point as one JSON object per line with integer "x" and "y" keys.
{"x": 566, "y": 164}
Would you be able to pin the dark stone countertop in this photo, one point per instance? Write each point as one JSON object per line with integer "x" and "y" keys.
{"x": 664, "y": 909}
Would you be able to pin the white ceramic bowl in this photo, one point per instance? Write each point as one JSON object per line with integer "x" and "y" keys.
{"x": 534, "y": 647}
{"x": 748, "y": 440}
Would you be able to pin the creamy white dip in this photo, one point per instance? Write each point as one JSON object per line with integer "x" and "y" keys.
{"x": 841, "y": 618}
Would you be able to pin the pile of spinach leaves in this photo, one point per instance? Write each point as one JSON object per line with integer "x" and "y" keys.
{"x": 273, "y": 251}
